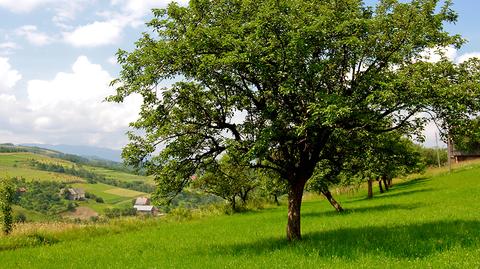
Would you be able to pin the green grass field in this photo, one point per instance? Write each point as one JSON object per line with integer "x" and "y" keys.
{"x": 17, "y": 165}
{"x": 122, "y": 176}
{"x": 110, "y": 194}
{"x": 427, "y": 222}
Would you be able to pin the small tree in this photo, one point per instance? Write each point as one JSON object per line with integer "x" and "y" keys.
{"x": 7, "y": 196}
{"x": 382, "y": 158}
{"x": 228, "y": 179}
{"x": 272, "y": 185}
{"x": 467, "y": 139}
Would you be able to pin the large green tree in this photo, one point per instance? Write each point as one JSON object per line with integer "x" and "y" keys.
{"x": 272, "y": 80}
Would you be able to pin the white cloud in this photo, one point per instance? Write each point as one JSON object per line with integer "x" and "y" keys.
{"x": 31, "y": 33}
{"x": 468, "y": 56}
{"x": 112, "y": 60}
{"x": 72, "y": 104}
{"x": 132, "y": 12}
{"x": 140, "y": 8}
{"x": 95, "y": 34}
{"x": 8, "y": 45}
{"x": 7, "y": 48}
{"x": 8, "y": 76}
{"x": 68, "y": 109}
{"x": 67, "y": 11}
{"x": 109, "y": 30}
{"x": 434, "y": 55}
{"x": 23, "y": 5}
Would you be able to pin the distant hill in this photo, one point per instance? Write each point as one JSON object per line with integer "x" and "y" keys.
{"x": 85, "y": 151}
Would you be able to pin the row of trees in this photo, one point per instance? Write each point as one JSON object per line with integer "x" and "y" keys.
{"x": 288, "y": 86}
{"x": 93, "y": 177}
{"x": 379, "y": 159}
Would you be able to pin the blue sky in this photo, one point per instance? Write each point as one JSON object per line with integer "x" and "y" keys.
{"x": 57, "y": 58}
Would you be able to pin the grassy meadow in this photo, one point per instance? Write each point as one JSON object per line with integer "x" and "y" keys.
{"x": 122, "y": 176}
{"x": 430, "y": 221}
{"x": 18, "y": 165}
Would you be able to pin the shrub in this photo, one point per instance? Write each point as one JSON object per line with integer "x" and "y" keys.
{"x": 7, "y": 196}
{"x": 20, "y": 218}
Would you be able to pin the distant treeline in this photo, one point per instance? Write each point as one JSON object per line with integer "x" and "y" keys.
{"x": 92, "y": 177}
{"x": 111, "y": 165}
{"x": 9, "y": 148}
{"x": 432, "y": 157}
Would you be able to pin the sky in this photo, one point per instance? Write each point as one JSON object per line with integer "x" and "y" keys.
{"x": 57, "y": 58}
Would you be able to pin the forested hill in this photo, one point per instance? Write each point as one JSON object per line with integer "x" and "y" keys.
{"x": 89, "y": 152}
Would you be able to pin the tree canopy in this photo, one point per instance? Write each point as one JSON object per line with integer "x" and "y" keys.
{"x": 271, "y": 82}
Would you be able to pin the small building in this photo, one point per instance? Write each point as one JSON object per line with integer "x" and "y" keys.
{"x": 22, "y": 190}
{"x": 461, "y": 156}
{"x": 142, "y": 201}
{"x": 146, "y": 209}
{"x": 75, "y": 194}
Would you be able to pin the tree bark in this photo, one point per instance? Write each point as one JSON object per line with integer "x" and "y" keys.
{"x": 385, "y": 183}
{"x": 275, "y": 197}
{"x": 370, "y": 189}
{"x": 332, "y": 200}
{"x": 232, "y": 202}
{"x": 244, "y": 196}
{"x": 380, "y": 185}
{"x": 295, "y": 194}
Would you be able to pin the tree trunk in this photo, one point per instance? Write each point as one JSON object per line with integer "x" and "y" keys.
{"x": 243, "y": 196}
{"x": 370, "y": 189}
{"x": 332, "y": 201}
{"x": 389, "y": 182}
{"x": 380, "y": 185}
{"x": 385, "y": 183}
{"x": 275, "y": 197}
{"x": 232, "y": 202}
{"x": 295, "y": 194}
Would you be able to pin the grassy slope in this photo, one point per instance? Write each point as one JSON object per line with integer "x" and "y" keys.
{"x": 122, "y": 176}
{"x": 17, "y": 165}
{"x": 427, "y": 222}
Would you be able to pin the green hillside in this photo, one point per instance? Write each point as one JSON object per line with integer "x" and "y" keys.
{"x": 18, "y": 165}
{"x": 23, "y": 162}
{"x": 425, "y": 222}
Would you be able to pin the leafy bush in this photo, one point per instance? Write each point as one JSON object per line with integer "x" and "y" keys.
{"x": 19, "y": 218}
{"x": 92, "y": 177}
{"x": 120, "y": 212}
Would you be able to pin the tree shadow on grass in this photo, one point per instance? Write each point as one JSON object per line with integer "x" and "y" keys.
{"x": 411, "y": 183}
{"x": 361, "y": 210}
{"x": 402, "y": 241}
{"x": 389, "y": 194}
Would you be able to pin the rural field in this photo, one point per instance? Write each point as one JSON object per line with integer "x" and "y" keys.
{"x": 19, "y": 164}
{"x": 430, "y": 221}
